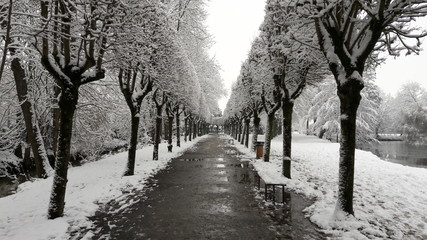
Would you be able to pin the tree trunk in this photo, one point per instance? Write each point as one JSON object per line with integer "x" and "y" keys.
{"x": 56, "y": 118}
{"x": 170, "y": 133}
{"x": 287, "y": 109}
{"x": 255, "y": 131}
{"x": 157, "y": 133}
{"x": 190, "y": 130}
{"x": 276, "y": 128}
{"x": 239, "y": 130}
{"x": 268, "y": 134}
{"x": 247, "y": 123}
{"x": 349, "y": 95}
{"x": 178, "y": 132}
{"x": 35, "y": 139}
{"x": 194, "y": 129}
{"x": 306, "y": 128}
{"x": 130, "y": 168}
{"x": 27, "y": 158}
{"x": 67, "y": 103}
{"x": 185, "y": 128}
{"x": 242, "y": 138}
{"x": 165, "y": 129}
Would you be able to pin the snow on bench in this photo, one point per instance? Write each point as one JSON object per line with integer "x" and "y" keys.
{"x": 272, "y": 176}
{"x": 270, "y": 173}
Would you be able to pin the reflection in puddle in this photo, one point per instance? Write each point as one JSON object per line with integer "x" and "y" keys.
{"x": 288, "y": 216}
{"x": 224, "y": 208}
{"x": 220, "y": 165}
{"x": 218, "y": 189}
{"x": 222, "y": 172}
{"x": 190, "y": 160}
{"x": 238, "y": 165}
{"x": 220, "y": 208}
{"x": 220, "y": 159}
{"x": 223, "y": 179}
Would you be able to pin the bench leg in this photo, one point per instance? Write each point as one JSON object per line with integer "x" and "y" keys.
{"x": 265, "y": 192}
{"x": 283, "y": 194}
{"x": 274, "y": 193}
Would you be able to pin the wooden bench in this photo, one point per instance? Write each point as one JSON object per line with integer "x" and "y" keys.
{"x": 269, "y": 187}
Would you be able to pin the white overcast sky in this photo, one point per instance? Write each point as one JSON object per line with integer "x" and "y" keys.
{"x": 235, "y": 23}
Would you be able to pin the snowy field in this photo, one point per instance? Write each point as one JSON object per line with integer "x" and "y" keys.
{"x": 23, "y": 215}
{"x": 390, "y": 200}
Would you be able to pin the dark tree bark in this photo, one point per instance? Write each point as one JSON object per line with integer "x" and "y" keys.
{"x": 236, "y": 128}
{"x": 288, "y": 98}
{"x": 247, "y": 123}
{"x": 165, "y": 128}
{"x": 268, "y": 133}
{"x": 67, "y": 102}
{"x": 287, "y": 109}
{"x": 199, "y": 128}
{"x": 5, "y": 24}
{"x": 157, "y": 136}
{"x": 170, "y": 134}
{"x": 195, "y": 130}
{"x": 130, "y": 168}
{"x": 185, "y": 126}
{"x": 170, "y": 110}
{"x": 30, "y": 119}
{"x": 349, "y": 95}
{"x": 243, "y": 126}
{"x": 348, "y": 72}
{"x": 70, "y": 70}
{"x": 255, "y": 130}
{"x": 239, "y": 129}
{"x": 159, "y": 111}
{"x": 271, "y": 109}
{"x": 178, "y": 130}
{"x": 190, "y": 129}
{"x": 27, "y": 158}
{"x": 56, "y": 118}
{"x": 129, "y": 84}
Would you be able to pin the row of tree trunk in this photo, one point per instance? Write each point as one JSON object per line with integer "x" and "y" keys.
{"x": 240, "y": 128}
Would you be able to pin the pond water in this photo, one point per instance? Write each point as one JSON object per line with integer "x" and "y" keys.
{"x": 400, "y": 152}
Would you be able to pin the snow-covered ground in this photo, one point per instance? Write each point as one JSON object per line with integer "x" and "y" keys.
{"x": 7, "y": 160}
{"x": 23, "y": 215}
{"x": 390, "y": 200}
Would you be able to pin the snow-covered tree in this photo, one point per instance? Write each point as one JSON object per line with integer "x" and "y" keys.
{"x": 250, "y": 79}
{"x": 72, "y": 41}
{"x": 139, "y": 53}
{"x": 295, "y": 63}
{"x": 5, "y": 24}
{"x": 188, "y": 19}
{"x": 18, "y": 56}
{"x": 349, "y": 32}
{"x": 325, "y": 112}
{"x": 412, "y": 103}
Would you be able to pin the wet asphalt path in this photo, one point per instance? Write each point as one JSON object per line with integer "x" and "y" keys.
{"x": 207, "y": 193}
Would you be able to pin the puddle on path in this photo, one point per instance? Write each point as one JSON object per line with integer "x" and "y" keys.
{"x": 191, "y": 160}
{"x": 201, "y": 197}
